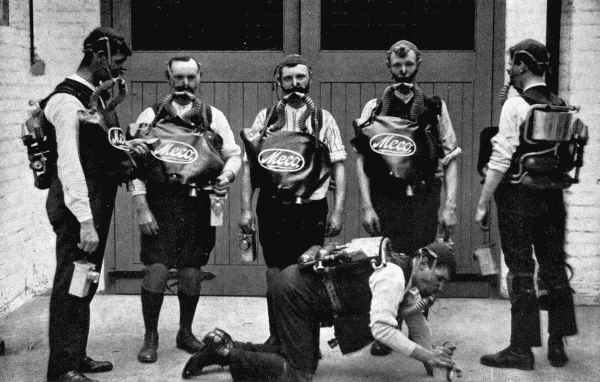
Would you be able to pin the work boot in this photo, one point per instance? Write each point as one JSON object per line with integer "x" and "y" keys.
{"x": 379, "y": 349}
{"x": 217, "y": 345}
{"x": 556, "y": 351}
{"x": 89, "y": 365}
{"x": 74, "y": 376}
{"x": 510, "y": 358}
{"x": 186, "y": 340}
{"x": 149, "y": 351}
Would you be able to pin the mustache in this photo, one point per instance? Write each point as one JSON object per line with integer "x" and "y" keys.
{"x": 184, "y": 91}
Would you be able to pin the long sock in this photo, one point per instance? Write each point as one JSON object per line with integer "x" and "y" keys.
{"x": 187, "y": 309}
{"x": 151, "y": 304}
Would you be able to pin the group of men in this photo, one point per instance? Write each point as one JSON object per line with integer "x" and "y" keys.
{"x": 400, "y": 199}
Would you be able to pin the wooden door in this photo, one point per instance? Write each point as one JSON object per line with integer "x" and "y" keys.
{"x": 345, "y": 41}
{"x": 237, "y": 43}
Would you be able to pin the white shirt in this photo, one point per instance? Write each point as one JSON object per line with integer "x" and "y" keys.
{"x": 387, "y": 286}
{"x": 230, "y": 151}
{"x": 61, "y": 111}
{"x": 329, "y": 134}
{"x": 505, "y": 143}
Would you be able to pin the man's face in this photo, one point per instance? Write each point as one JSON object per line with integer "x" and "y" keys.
{"x": 295, "y": 79}
{"x": 515, "y": 73}
{"x": 106, "y": 69}
{"x": 184, "y": 76}
{"x": 404, "y": 69}
{"x": 430, "y": 279}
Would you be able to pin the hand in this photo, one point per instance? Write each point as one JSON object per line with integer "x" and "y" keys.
{"x": 448, "y": 221}
{"x": 334, "y": 224}
{"x": 138, "y": 146}
{"x": 371, "y": 221}
{"x": 246, "y": 222}
{"x": 442, "y": 357}
{"x": 223, "y": 182}
{"x": 482, "y": 215}
{"x": 88, "y": 237}
{"x": 146, "y": 220}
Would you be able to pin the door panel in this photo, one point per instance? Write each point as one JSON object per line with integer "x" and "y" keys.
{"x": 239, "y": 83}
{"x": 347, "y": 79}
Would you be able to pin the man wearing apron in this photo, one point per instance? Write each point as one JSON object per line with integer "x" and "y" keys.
{"x": 292, "y": 208}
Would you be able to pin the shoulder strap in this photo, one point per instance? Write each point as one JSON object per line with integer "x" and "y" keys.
{"x": 317, "y": 121}
{"x": 537, "y": 96}
{"x": 74, "y": 88}
{"x": 269, "y": 116}
{"x": 206, "y": 116}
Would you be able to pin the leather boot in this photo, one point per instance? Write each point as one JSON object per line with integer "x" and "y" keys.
{"x": 149, "y": 351}
{"x": 556, "y": 351}
{"x": 186, "y": 340}
{"x": 521, "y": 359}
{"x": 217, "y": 346}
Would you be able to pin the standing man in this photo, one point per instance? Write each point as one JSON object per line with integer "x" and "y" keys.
{"x": 81, "y": 199}
{"x": 365, "y": 301}
{"x": 528, "y": 219}
{"x": 293, "y": 220}
{"x": 402, "y": 207}
{"x": 175, "y": 226}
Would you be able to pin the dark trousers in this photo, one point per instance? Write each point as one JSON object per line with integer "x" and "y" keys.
{"x": 69, "y": 321}
{"x": 185, "y": 237}
{"x": 286, "y": 231}
{"x": 534, "y": 220}
{"x": 410, "y": 222}
{"x": 299, "y": 301}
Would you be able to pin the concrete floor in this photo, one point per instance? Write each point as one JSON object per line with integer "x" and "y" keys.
{"x": 476, "y": 326}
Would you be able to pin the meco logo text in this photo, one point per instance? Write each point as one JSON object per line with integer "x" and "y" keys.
{"x": 281, "y": 160}
{"x": 117, "y": 138}
{"x": 393, "y": 144}
{"x": 175, "y": 152}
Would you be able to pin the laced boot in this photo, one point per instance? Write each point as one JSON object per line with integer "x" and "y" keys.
{"x": 556, "y": 351}
{"x": 149, "y": 351}
{"x": 217, "y": 345}
{"x": 512, "y": 358}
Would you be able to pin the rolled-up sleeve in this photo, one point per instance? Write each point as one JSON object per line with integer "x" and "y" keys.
{"x": 230, "y": 151}
{"x": 332, "y": 138}
{"x": 447, "y": 134}
{"x": 505, "y": 143}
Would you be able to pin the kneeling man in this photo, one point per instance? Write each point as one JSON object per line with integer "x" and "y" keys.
{"x": 364, "y": 296}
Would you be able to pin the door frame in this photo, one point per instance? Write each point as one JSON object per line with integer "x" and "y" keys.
{"x": 306, "y": 41}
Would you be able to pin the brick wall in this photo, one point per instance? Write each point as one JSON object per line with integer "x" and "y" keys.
{"x": 26, "y": 238}
{"x": 579, "y": 84}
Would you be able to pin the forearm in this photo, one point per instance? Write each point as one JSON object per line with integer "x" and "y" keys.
{"x": 363, "y": 183}
{"x": 247, "y": 189}
{"x": 339, "y": 175}
{"x": 233, "y": 164}
{"x": 393, "y": 338}
{"x": 140, "y": 202}
{"x": 451, "y": 184}
{"x": 492, "y": 180}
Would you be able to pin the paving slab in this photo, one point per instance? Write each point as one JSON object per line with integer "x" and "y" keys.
{"x": 476, "y": 326}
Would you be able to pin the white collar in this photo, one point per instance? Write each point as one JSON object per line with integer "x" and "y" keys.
{"x": 78, "y": 78}
{"x": 537, "y": 83}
